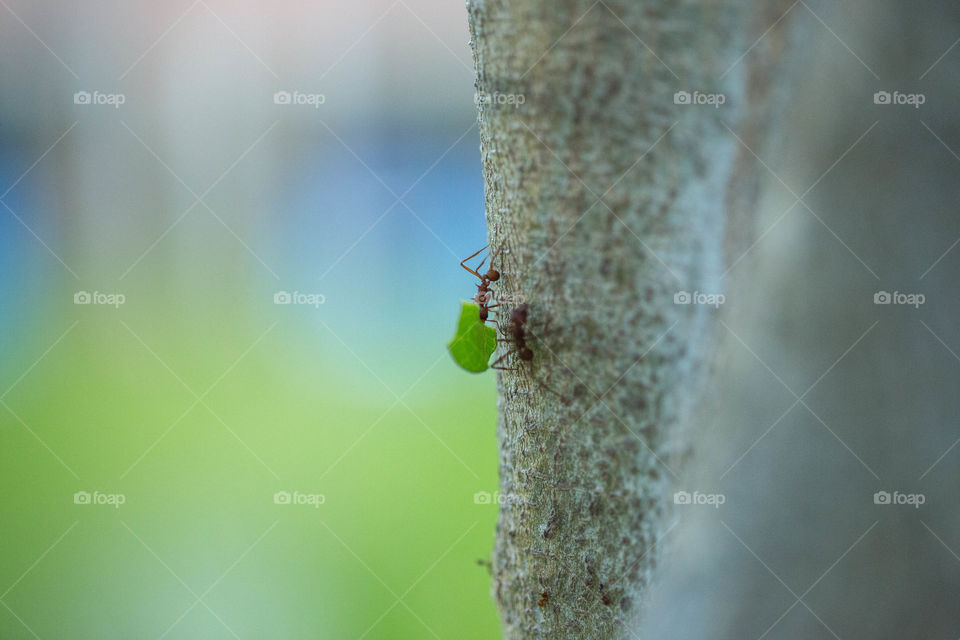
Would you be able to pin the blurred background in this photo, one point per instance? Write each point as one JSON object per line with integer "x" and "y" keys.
{"x": 230, "y": 234}
{"x": 198, "y": 158}
{"x": 832, "y": 427}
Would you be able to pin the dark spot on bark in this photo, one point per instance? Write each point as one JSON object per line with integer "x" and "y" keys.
{"x": 625, "y": 604}
{"x": 588, "y": 563}
{"x": 613, "y": 88}
{"x": 605, "y": 266}
{"x": 551, "y": 526}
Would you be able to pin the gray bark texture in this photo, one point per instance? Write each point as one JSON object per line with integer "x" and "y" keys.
{"x": 604, "y": 199}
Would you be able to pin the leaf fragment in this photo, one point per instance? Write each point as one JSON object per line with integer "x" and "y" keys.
{"x": 474, "y": 342}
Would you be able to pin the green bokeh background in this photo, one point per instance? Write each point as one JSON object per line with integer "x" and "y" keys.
{"x": 370, "y": 201}
{"x": 398, "y": 519}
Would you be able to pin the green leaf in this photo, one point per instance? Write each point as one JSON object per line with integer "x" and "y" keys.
{"x": 474, "y": 342}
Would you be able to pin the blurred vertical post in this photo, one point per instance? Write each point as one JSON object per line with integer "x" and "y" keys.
{"x": 615, "y": 188}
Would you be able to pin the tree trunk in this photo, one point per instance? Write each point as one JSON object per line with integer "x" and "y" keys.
{"x": 604, "y": 200}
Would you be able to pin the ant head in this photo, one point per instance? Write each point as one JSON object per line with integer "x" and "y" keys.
{"x": 493, "y": 275}
{"x": 525, "y": 354}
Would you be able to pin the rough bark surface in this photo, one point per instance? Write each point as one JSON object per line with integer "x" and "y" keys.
{"x": 604, "y": 199}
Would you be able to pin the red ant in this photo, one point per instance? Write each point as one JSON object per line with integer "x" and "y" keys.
{"x": 518, "y": 335}
{"x": 484, "y": 293}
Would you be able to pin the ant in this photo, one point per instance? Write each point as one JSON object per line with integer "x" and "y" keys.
{"x": 544, "y": 598}
{"x": 484, "y": 293}
{"x": 518, "y": 335}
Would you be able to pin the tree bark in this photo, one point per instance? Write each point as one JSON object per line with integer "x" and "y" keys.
{"x": 604, "y": 199}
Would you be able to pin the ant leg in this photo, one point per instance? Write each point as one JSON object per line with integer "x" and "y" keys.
{"x": 497, "y": 361}
{"x": 494, "y": 257}
{"x": 469, "y": 258}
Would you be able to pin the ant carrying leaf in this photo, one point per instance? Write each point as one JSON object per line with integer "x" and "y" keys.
{"x": 484, "y": 293}
{"x": 474, "y": 342}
